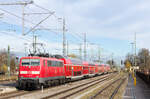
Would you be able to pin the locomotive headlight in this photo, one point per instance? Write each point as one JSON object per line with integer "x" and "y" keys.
{"x": 35, "y": 72}
{"x": 23, "y": 72}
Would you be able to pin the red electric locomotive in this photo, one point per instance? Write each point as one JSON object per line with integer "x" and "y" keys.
{"x": 37, "y": 71}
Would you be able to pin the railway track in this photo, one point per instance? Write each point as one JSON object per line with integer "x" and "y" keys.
{"x": 116, "y": 90}
{"x": 73, "y": 90}
{"x": 20, "y": 93}
{"x": 13, "y": 94}
{"x": 121, "y": 80}
{"x": 6, "y": 81}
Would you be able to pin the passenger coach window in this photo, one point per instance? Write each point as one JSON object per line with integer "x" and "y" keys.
{"x": 49, "y": 63}
{"x": 55, "y": 63}
{"x": 30, "y": 62}
{"x": 61, "y": 64}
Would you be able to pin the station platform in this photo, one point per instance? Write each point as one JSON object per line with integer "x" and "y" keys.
{"x": 140, "y": 91}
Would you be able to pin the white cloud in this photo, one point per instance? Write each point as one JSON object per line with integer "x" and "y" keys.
{"x": 92, "y": 17}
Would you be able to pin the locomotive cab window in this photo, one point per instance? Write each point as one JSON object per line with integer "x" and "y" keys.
{"x": 30, "y": 62}
{"x": 54, "y": 63}
{"x": 44, "y": 62}
{"x": 49, "y": 63}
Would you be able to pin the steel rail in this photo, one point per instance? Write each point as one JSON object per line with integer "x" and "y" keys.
{"x": 76, "y": 87}
{"x": 116, "y": 90}
{"x": 100, "y": 91}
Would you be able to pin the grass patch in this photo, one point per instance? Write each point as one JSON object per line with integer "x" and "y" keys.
{"x": 6, "y": 77}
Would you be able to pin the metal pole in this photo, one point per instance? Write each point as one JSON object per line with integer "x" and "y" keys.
{"x": 23, "y": 19}
{"x": 35, "y": 43}
{"x": 80, "y": 51}
{"x": 99, "y": 54}
{"x": 8, "y": 61}
{"x": 135, "y": 54}
{"x": 133, "y": 58}
{"x": 25, "y": 51}
{"x": 85, "y": 46}
{"x": 92, "y": 54}
{"x": 135, "y": 50}
{"x": 64, "y": 38}
{"x": 112, "y": 64}
{"x": 17, "y": 68}
{"x": 67, "y": 48}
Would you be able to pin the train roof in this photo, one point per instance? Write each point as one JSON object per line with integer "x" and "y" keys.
{"x": 37, "y": 57}
{"x": 74, "y": 61}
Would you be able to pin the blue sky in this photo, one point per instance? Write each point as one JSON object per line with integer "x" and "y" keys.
{"x": 110, "y": 24}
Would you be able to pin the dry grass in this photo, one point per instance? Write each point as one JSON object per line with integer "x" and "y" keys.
{"x": 121, "y": 90}
{"x": 98, "y": 87}
{"x": 6, "y": 77}
{"x": 107, "y": 93}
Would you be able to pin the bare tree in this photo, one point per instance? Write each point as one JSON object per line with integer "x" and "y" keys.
{"x": 144, "y": 58}
{"x": 4, "y": 60}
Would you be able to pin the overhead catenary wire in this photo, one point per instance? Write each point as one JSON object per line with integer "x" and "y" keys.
{"x": 28, "y": 40}
{"x": 57, "y": 18}
{"x": 35, "y": 23}
{"x": 41, "y": 7}
{"x": 75, "y": 35}
{"x": 21, "y": 18}
{"x": 15, "y": 36}
{"x": 18, "y": 3}
{"x": 78, "y": 36}
{"x": 15, "y": 15}
{"x": 10, "y": 34}
{"x": 44, "y": 9}
{"x": 39, "y": 23}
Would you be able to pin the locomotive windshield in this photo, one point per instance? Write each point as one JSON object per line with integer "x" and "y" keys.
{"x": 30, "y": 62}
